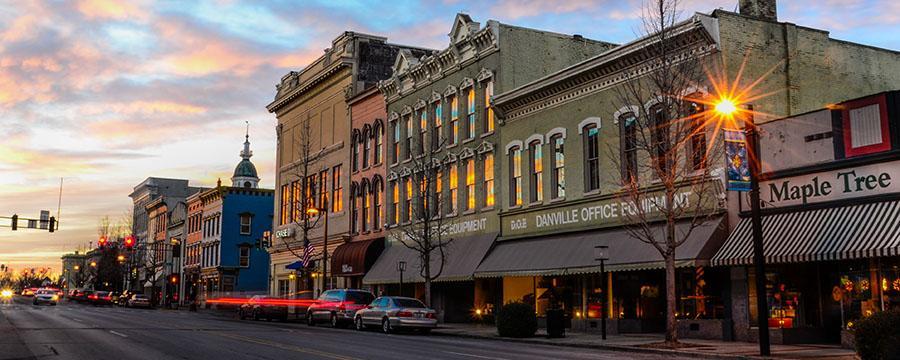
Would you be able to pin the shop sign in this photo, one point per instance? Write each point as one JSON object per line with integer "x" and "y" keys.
{"x": 607, "y": 212}
{"x": 832, "y": 185}
{"x": 283, "y": 233}
{"x": 345, "y": 268}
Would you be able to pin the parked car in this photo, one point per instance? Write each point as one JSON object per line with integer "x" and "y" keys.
{"x": 263, "y": 307}
{"x": 138, "y": 300}
{"x": 338, "y": 307}
{"x": 84, "y": 296}
{"x": 100, "y": 298}
{"x": 396, "y": 313}
{"x": 44, "y": 296}
{"x": 122, "y": 299}
{"x": 29, "y": 291}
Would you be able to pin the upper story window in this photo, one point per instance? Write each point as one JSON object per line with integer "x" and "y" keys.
{"x": 379, "y": 143}
{"x": 438, "y": 195}
{"x": 285, "y": 204}
{"x": 454, "y": 184}
{"x": 699, "y": 146}
{"x": 407, "y": 216}
{"x": 367, "y": 149}
{"x": 244, "y": 256}
{"x": 628, "y": 141}
{"x": 488, "y": 111}
{"x": 378, "y": 212}
{"x": 660, "y": 138}
{"x": 395, "y": 202}
{"x": 395, "y": 141}
{"x": 470, "y": 112}
{"x": 337, "y": 192}
{"x": 470, "y": 183}
{"x": 410, "y": 130}
{"x": 454, "y": 120}
{"x": 299, "y": 205}
{"x": 354, "y": 207}
{"x": 323, "y": 188}
{"x": 437, "y": 135}
{"x": 423, "y": 129}
{"x": 591, "y": 157}
{"x": 488, "y": 179}
{"x": 366, "y": 197}
{"x": 537, "y": 171}
{"x": 515, "y": 178}
{"x": 354, "y": 157}
{"x": 245, "y": 223}
{"x": 558, "y": 177}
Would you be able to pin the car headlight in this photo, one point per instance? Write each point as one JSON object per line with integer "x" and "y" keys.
{"x": 54, "y": 297}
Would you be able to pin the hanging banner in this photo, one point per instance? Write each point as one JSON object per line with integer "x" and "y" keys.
{"x": 736, "y": 162}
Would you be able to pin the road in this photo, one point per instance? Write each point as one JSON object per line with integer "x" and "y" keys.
{"x": 75, "y": 331}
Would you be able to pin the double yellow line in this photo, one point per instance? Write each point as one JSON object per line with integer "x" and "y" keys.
{"x": 323, "y": 354}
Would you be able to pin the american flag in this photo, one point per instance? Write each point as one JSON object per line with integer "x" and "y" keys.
{"x": 307, "y": 253}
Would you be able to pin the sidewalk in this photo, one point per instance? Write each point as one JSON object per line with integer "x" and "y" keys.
{"x": 637, "y": 343}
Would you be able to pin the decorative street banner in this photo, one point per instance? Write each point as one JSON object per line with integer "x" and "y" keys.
{"x": 736, "y": 164}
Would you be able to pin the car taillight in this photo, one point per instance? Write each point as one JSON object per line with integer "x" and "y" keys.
{"x": 342, "y": 307}
{"x": 92, "y": 297}
{"x": 404, "y": 314}
{"x": 430, "y": 315}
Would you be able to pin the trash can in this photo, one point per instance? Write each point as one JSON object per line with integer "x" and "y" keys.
{"x": 556, "y": 323}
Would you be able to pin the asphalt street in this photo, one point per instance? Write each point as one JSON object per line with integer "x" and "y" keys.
{"x": 75, "y": 331}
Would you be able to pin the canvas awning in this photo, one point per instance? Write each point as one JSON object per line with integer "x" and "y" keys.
{"x": 355, "y": 257}
{"x": 837, "y": 233}
{"x": 574, "y": 253}
{"x": 462, "y": 257}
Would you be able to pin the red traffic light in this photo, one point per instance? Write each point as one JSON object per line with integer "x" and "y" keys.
{"x": 102, "y": 241}
{"x": 129, "y": 241}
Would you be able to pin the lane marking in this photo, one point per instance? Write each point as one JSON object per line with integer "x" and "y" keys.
{"x": 118, "y": 333}
{"x": 473, "y": 355}
{"x": 75, "y": 320}
{"x": 286, "y": 347}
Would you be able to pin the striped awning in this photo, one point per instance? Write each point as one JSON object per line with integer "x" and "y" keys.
{"x": 837, "y": 233}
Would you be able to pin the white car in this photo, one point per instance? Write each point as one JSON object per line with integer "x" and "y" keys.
{"x": 45, "y": 296}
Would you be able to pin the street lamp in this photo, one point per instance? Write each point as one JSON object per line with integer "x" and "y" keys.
{"x": 601, "y": 256}
{"x": 726, "y": 107}
{"x": 93, "y": 264}
{"x": 401, "y": 267}
{"x": 120, "y": 258}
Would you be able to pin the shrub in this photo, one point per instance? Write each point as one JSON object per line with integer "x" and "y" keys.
{"x": 878, "y": 336}
{"x": 516, "y": 320}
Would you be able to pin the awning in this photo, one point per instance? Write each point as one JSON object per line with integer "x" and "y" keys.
{"x": 355, "y": 257}
{"x": 463, "y": 256}
{"x": 296, "y": 265}
{"x": 574, "y": 253}
{"x": 837, "y": 233}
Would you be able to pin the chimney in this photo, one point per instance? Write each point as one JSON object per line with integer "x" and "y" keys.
{"x": 760, "y": 9}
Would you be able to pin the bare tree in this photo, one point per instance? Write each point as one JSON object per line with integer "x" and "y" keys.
{"x": 428, "y": 233}
{"x": 663, "y": 150}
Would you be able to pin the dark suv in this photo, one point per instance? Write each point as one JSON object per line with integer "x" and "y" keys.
{"x": 338, "y": 307}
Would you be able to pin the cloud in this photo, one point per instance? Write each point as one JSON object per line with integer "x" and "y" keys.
{"x": 110, "y": 9}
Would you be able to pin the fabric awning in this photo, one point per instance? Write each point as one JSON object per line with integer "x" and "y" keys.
{"x": 296, "y": 265}
{"x": 574, "y": 253}
{"x": 355, "y": 257}
{"x": 463, "y": 256}
{"x": 837, "y": 233}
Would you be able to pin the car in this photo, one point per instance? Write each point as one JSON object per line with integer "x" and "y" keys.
{"x": 44, "y": 296}
{"x": 29, "y": 291}
{"x": 394, "y": 313}
{"x": 338, "y": 307}
{"x": 138, "y": 300}
{"x": 100, "y": 298}
{"x": 84, "y": 296}
{"x": 122, "y": 299}
{"x": 263, "y": 307}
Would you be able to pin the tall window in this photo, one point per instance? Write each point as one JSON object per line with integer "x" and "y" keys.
{"x": 454, "y": 184}
{"x": 488, "y": 179}
{"x": 437, "y": 134}
{"x": 660, "y": 136}
{"x": 378, "y": 188}
{"x": 244, "y": 256}
{"x": 454, "y": 120}
{"x": 470, "y": 112}
{"x": 298, "y": 206}
{"x": 488, "y": 112}
{"x": 470, "y": 184}
{"x": 354, "y": 157}
{"x": 410, "y": 131}
{"x": 438, "y": 193}
{"x": 367, "y": 149}
{"x": 354, "y": 207}
{"x": 515, "y": 180}
{"x": 395, "y": 202}
{"x": 366, "y": 196}
{"x": 423, "y": 129}
{"x": 245, "y": 224}
{"x": 285, "y": 204}
{"x": 395, "y": 141}
{"x": 379, "y": 143}
{"x": 408, "y": 199}
{"x": 323, "y": 188}
{"x": 629, "y": 146}
{"x": 558, "y": 177}
{"x": 310, "y": 195}
{"x": 337, "y": 192}
{"x": 698, "y": 137}
{"x": 537, "y": 171}
{"x": 591, "y": 157}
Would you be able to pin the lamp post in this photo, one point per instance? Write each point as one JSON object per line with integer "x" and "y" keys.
{"x": 401, "y": 267}
{"x": 601, "y": 256}
{"x": 727, "y": 107}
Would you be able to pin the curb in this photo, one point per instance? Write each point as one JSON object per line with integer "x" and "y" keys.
{"x": 622, "y": 348}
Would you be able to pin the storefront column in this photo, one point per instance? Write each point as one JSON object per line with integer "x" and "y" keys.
{"x": 584, "y": 291}
{"x": 609, "y": 296}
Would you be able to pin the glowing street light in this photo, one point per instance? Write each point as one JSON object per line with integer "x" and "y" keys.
{"x": 120, "y": 258}
{"x": 726, "y": 107}
{"x": 93, "y": 264}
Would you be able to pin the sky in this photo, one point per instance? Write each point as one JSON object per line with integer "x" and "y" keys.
{"x": 103, "y": 94}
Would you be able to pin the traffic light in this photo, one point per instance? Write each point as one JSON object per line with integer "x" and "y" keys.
{"x": 15, "y": 222}
{"x": 102, "y": 241}
{"x": 129, "y": 241}
{"x": 52, "y": 223}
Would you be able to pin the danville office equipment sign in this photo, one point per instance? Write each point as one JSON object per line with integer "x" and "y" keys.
{"x": 859, "y": 181}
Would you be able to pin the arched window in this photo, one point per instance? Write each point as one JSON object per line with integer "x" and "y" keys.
{"x": 454, "y": 184}
{"x": 470, "y": 183}
{"x": 354, "y": 157}
{"x": 628, "y": 141}
{"x": 515, "y": 178}
{"x": 470, "y": 112}
{"x": 699, "y": 146}
{"x": 379, "y": 143}
{"x": 395, "y": 202}
{"x": 660, "y": 137}
{"x": 454, "y": 119}
{"x": 354, "y": 207}
{"x": 488, "y": 179}
{"x": 367, "y": 147}
{"x": 378, "y": 193}
{"x": 537, "y": 171}
{"x": 591, "y": 134}
{"x": 366, "y": 200}
{"x": 437, "y": 135}
{"x": 558, "y": 176}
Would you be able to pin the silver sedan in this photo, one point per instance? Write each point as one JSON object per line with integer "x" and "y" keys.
{"x": 395, "y": 313}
